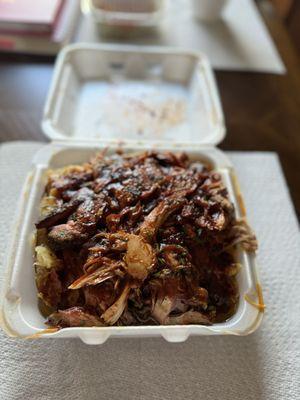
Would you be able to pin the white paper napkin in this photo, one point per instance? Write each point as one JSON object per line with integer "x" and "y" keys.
{"x": 262, "y": 366}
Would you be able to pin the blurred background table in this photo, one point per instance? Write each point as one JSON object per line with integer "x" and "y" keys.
{"x": 261, "y": 110}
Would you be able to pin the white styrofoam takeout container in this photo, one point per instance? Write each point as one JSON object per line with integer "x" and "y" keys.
{"x": 125, "y": 18}
{"x": 135, "y": 98}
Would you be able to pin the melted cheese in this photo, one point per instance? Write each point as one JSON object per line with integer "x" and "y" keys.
{"x": 260, "y": 305}
{"x": 43, "y": 332}
{"x": 239, "y": 196}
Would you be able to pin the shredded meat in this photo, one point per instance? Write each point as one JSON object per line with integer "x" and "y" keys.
{"x": 146, "y": 238}
{"x": 74, "y": 316}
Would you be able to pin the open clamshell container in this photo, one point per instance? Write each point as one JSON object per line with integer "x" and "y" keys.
{"x": 135, "y": 98}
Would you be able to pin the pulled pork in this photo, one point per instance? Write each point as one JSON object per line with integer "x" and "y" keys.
{"x": 138, "y": 239}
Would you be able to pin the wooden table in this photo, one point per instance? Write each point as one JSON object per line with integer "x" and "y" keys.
{"x": 262, "y": 110}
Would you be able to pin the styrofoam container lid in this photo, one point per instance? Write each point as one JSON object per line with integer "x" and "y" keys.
{"x": 118, "y": 93}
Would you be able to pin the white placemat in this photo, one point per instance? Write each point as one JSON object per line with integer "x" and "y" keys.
{"x": 239, "y": 41}
{"x": 262, "y": 366}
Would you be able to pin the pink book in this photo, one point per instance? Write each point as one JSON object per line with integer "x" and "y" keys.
{"x": 35, "y": 16}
